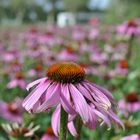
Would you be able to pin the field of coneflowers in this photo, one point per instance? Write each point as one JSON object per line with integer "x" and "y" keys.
{"x": 90, "y": 73}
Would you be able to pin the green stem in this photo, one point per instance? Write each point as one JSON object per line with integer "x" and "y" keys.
{"x": 78, "y": 127}
{"x": 130, "y": 47}
{"x": 63, "y": 124}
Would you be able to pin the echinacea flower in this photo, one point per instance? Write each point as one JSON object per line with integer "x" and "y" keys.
{"x": 49, "y": 135}
{"x": 12, "y": 111}
{"x": 131, "y": 103}
{"x": 129, "y": 28}
{"x": 121, "y": 69}
{"x": 47, "y": 38}
{"x": 35, "y": 50}
{"x": 20, "y": 130}
{"x": 65, "y": 86}
{"x": 36, "y": 71}
{"x": 10, "y": 55}
{"x": 68, "y": 54}
{"x": 93, "y": 33}
{"x": 17, "y": 81}
{"x": 99, "y": 57}
{"x": 15, "y": 65}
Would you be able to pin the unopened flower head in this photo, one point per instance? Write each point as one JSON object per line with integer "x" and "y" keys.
{"x": 131, "y": 103}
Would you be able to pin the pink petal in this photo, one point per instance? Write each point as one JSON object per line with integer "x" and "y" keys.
{"x": 79, "y": 102}
{"x": 65, "y": 100}
{"x": 92, "y": 120}
{"x": 131, "y": 137}
{"x": 34, "y": 96}
{"x": 52, "y": 97}
{"x": 72, "y": 129}
{"x": 71, "y": 117}
{"x": 84, "y": 92}
{"x": 115, "y": 118}
{"x": 105, "y": 118}
{"x": 122, "y": 104}
{"x": 35, "y": 83}
{"x": 56, "y": 121}
{"x": 31, "y": 94}
{"x": 12, "y": 84}
{"x": 106, "y": 92}
{"x": 99, "y": 96}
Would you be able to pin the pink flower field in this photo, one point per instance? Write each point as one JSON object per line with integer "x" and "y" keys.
{"x": 82, "y": 81}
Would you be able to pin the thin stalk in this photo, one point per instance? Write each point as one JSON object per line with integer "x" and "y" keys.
{"x": 63, "y": 124}
{"x": 130, "y": 48}
{"x": 78, "y": 127}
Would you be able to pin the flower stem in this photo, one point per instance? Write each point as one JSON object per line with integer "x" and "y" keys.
{"x": 78, "y": 127}
{"x": 63, "y": 124}
{"x": 130, "y": 47}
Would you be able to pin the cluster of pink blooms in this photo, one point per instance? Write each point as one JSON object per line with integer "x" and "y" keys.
{"x": 76, "y": 44}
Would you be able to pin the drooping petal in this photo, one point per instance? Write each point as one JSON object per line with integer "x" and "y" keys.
{"x": 56, "y": 121}
{"x": 52, "y": 97}
{"x": 106, "y": 92}
{"x": 102, "y": 116}
{"x": 99, "y": 97}
{"x": 84, "y": 91}
{"x": 32, "y": 92}
{"x": 34, "y": 108}
{"x": 34, "y": 96}
{"x": 115, "y": 118}
{"x": 79, "y": 102}
{"x": 35, "y": 83}
{"x": 92, "y": 120}
{"x": 65, "y": 100}
{"x": 71, "y": 117}
{"x": 72, "y": 128}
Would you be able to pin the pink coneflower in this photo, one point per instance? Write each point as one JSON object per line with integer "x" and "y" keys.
{"x": 121, "y": 69}
{"x": 131, "y": 103}
{"x": 47, "y": 38}
{"x": 49, "y": 135}
{"x": 78, "y": 34}
{"x": 68, "y": 54}
{"x": 129, "y": 28}
{"x": 37, "y": 71}
{"x": 17, "y": 81}
{"x": 93, "y": 33}
{"x": 12, "y": 111}
{"x": 65, "y": 86}
{"x": 10, "y": 55}
{"x": 15, "y": 65}
{"x": 35, "y": 50}
{"x": 99, "y": 57}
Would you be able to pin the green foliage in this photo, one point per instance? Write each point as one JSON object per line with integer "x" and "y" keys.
{"x": 76, "y": 5}
{"x": 121, "y": 10}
